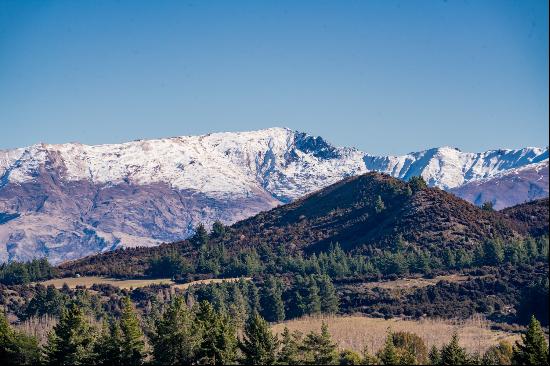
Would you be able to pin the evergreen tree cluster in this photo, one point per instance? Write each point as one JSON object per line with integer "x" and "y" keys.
{"x": 201, "y": 334}
{"x": 312, "y": 295}
{"x": 22, "y": 273}
{"x": 400, "y": 258}
{"x": 274, "y": 300}
{"x": 17, "y": 347}
{"x": 51, "y": 301}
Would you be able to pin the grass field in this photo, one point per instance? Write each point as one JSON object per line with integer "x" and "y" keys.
{"x": 355, "y": 332}
{"x": 412, "y": 282}
{"x": 88, "y": 281}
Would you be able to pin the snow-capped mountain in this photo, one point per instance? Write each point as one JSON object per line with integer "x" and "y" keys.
{"x": 508, "y": 188}
{"x": 66, "y": 201}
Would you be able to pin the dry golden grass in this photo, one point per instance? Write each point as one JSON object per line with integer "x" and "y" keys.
{"x": 88, "y": 281}
{"x": 38, "y": 327}
{"x": 183, "y": 286}
{"x": 354, "y": 332}
{"x": 411, "y": 283}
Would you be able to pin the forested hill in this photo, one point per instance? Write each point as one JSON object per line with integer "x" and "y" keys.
{"x": 367, "y": 215}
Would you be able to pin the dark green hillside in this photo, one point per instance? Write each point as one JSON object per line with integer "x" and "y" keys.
{"x": 367, "y": 215}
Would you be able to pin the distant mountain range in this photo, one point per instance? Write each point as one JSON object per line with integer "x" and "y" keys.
{"x": 510, "y": 187}
{"x": 70, "y": 200}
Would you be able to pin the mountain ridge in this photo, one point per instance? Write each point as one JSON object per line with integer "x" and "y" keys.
{"x": 75, "y": 199}
{"x": 284, "y": 141}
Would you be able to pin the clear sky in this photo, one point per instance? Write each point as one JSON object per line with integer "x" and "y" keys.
{"x": 387, "y": 77}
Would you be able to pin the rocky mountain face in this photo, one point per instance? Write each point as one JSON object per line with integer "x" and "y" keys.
{"x": 67, "y": 201}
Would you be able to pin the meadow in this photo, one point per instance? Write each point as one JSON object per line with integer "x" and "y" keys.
{"x": 356, "y": 331}
{"x": 88, "y": 281}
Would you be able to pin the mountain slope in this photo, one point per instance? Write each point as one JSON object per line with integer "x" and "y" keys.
{"x": 348, "y": 212}
{"x": 532, "y": 215}
{"x": 508, "y": 188}
{"x": 66, "y": 201}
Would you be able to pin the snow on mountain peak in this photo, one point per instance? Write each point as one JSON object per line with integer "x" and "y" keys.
{"x": 74, "y": 199}
{"x": 287, "y": 163}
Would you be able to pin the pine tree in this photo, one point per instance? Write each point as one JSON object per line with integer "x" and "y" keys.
{"x": 132, "y": 345}
{"x": 410, "y": 347}
{"x": 494, "y": 253}
{"x": 313, "y": 300}
{"x": 388, "y": 354}
{"x": 417, "y": 183}
{"x": 254, "y": 298}
{"x": 452, "y": 353}
{"x": 28, "y": 349}
{"x": 368, "y": 359}
{"x": 434, "y": 356}
{"x": 6, "y": 341}
{"x": 290, "y": 343}
{"x": 259, "y": 345}
{"x": 449, "y": 258}
{"x": 108, "y": 348}
{"x": 218, "y": 230}
{"x": 273, "y": 308}
{"x": 219, "y": 343}
{"x": 319, "y": 349}
{"x": 16, "y": 347}
{"x": 379, "y": 205}
{"x": 421, "y": 263}
{"x": 297, "y": 304}
{"x": 400, "y": 243}
{"x": 487, "y": 206}
{"x": 349, "y": 357}
{"x": 532, "y": 350}
{"x": 479, "y": 256}
{"x": 201, "y": 236}
{"x": 329, "y": 298}
{"x": 175, "y": 340}
{"x": 238, "y": 305}
{"x": 72, "y": 340}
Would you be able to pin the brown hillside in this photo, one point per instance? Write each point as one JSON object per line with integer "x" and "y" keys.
{"x": 533, "y": 216}
{"x": 347, "y": 213}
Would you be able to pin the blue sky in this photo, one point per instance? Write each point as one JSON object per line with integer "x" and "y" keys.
{"x": 387, "y": 77}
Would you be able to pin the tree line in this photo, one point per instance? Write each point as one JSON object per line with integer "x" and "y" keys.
{"x": 401, "y": 258}
{"x": 317, "y": 284}
{"x": 21, "y": 273}
{"x": 200, "y": 334}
